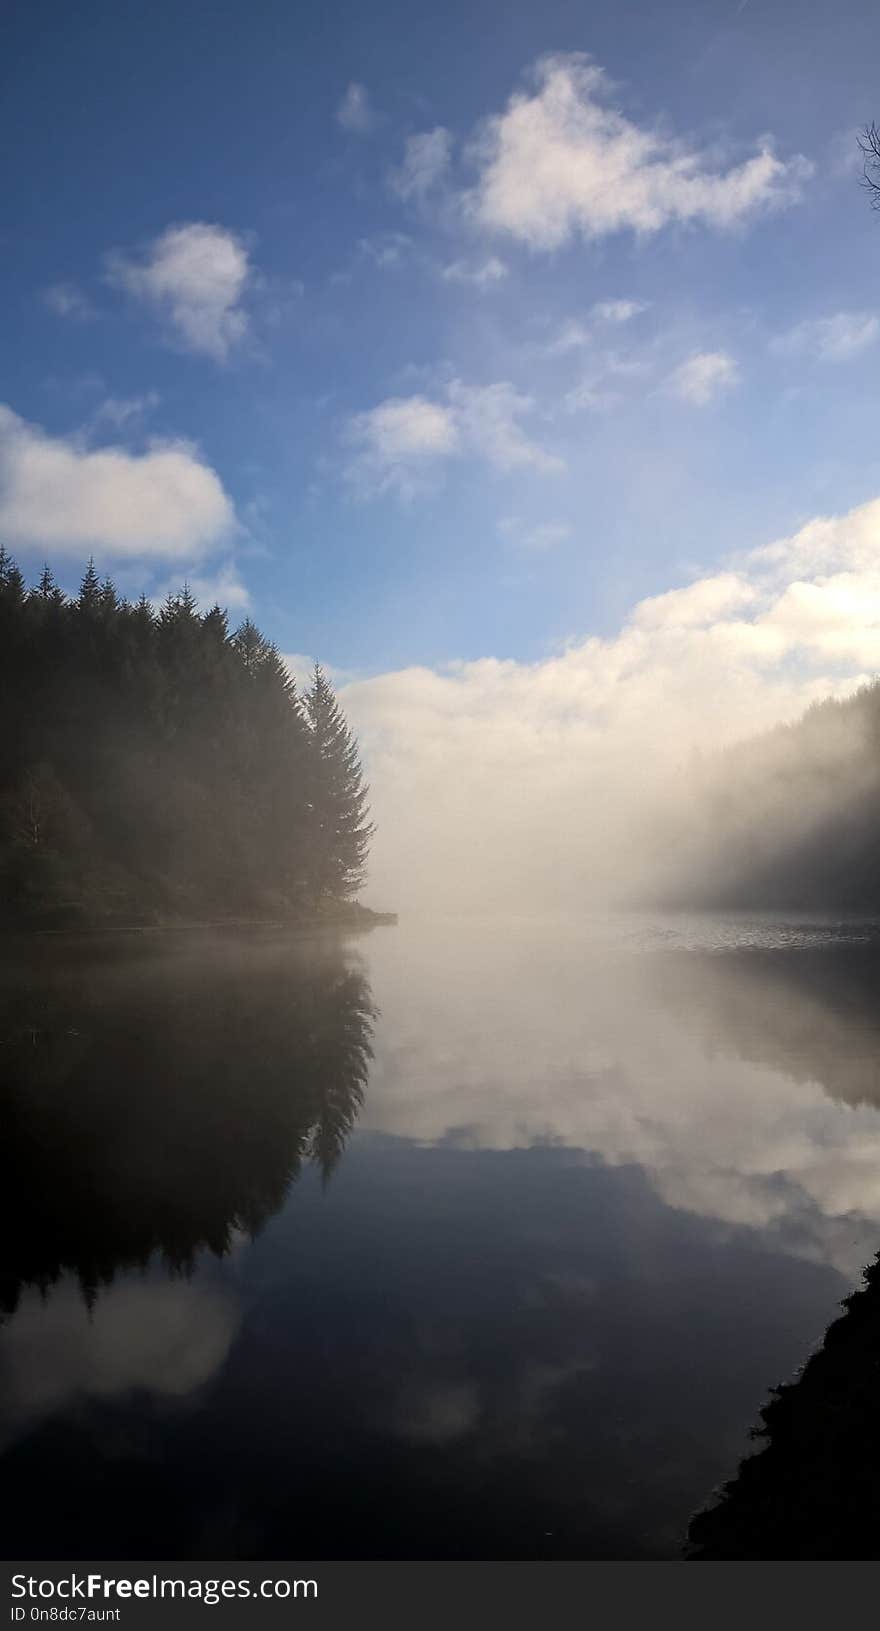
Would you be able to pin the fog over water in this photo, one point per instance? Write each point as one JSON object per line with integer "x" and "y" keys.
{"x": 479, "y": 1239}
{"x": 736, "y": 1062}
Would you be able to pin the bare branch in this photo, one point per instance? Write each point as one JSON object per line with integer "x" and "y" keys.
{"x": 869, "y": 142}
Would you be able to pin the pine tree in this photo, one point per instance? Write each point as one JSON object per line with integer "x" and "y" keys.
{"x": 12, "y": 588}
{"x": 250, "y": 645}
{"x": 339, "y": 829}
{"x": 89, "y": 589}
{"x": 179, "y": 772}
{"x": 108, "y": 600}
{"x": 13, "y": 595}
{"x": 215, "y": 625}
{"x": 47, "y": 589}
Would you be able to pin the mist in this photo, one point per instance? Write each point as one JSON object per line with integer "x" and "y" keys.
{"x": 744, "y": 1082}
{"x": 595, "y": 777}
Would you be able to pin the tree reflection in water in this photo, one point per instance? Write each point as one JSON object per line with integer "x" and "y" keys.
{"x": 161, "y": 1099}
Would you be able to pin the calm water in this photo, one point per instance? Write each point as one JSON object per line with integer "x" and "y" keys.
{"x": 479, "y": 1240}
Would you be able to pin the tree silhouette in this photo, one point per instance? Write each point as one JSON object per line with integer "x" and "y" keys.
{"x": 339, "y": 828}
{"x": 194, "y": 781}
{"x": 869, "y": 142}
{"x": 786, "y": 820}
{"x": 813, "y": 1491}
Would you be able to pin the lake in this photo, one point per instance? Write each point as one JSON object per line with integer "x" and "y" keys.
{"x": 454, "y": 1240}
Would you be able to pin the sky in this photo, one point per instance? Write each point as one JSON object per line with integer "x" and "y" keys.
{"x": 515, "y": 361}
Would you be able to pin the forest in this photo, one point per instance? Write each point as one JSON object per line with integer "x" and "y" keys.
{"x": 159, "y": 767}
{"x": 789, "y": 820}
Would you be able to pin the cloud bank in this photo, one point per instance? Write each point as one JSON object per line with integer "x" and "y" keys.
{"x": 498, "y": 783}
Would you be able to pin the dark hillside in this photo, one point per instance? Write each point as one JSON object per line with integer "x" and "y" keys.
{"x": 789, "y": 820}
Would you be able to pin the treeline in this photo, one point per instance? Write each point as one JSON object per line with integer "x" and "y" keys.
{"x": 788, "y": 820}
{"x": 156, "y": 765}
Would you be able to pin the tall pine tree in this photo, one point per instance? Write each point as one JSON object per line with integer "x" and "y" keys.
{"x": 339, "y": 826}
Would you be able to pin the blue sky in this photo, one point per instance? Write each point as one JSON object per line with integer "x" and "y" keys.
{"x": 434, "y": 375}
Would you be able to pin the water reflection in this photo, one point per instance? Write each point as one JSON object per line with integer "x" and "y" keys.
{"x": 608, "y": 1184}
{"x": 743, "y": 1082}
{"x": 159, "y": 1099}
{"x": 159, "y": 1337}
{"x": 811, "y": 1012}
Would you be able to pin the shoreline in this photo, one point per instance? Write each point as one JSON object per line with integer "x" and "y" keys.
{"x": 363, "y": 918}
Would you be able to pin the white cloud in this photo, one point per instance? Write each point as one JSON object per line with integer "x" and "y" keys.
{"x": 831, "y": 339}
{"x": 59, "y": 493}
{"x": 483, "y": 275}
{"x": 473, "y": 765}
{"x": 66, "y": 300}
{"x": 402, "y": 439}
{"x": 355, "y": 113}
{"x": 700, "y": 604}
{"x": 398, "y": 440}
{"x": 825, "y": 545}
{"x": 301, "y": 667}
{"x": 489, "y": 417}
{"x": 618, "y": 311}
{"x": 426, "y": 160}
{"x": 704, "y": 376}
{"x": 560, "y": 161}
{"x": 195, "y": 277}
